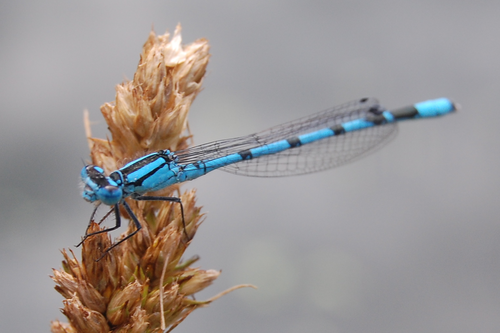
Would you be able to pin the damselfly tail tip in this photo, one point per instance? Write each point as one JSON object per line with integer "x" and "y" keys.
{"x": 452, "y": 106}
{"x": 456, "y": 106}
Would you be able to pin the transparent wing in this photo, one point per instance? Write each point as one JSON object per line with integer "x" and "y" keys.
{"x": 313, "y": 157}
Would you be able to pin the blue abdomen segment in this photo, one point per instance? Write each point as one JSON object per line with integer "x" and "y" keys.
{"x": 430, "y": 108}
{"x": 194, "y": 170}
{"x": 435, "y": 107}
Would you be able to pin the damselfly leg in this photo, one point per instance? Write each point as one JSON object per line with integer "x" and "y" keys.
{"x": 134, "y": 218}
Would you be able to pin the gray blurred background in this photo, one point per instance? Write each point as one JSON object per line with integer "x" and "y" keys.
{"x": 405, "y": 240}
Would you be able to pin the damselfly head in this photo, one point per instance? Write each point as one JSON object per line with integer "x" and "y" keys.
{"x": 98, "y": 187}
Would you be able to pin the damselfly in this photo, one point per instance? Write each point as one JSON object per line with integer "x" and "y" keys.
{"x": 323, "y": 140}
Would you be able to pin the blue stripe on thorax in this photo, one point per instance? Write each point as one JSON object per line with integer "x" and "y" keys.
{"x": 148, "y": 177}
{"x": 144, "y": 170}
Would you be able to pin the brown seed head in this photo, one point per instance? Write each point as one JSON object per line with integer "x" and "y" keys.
{"x": 128, "y": 288}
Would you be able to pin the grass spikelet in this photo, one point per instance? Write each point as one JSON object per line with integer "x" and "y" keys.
{"x": 142, "y": 285}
